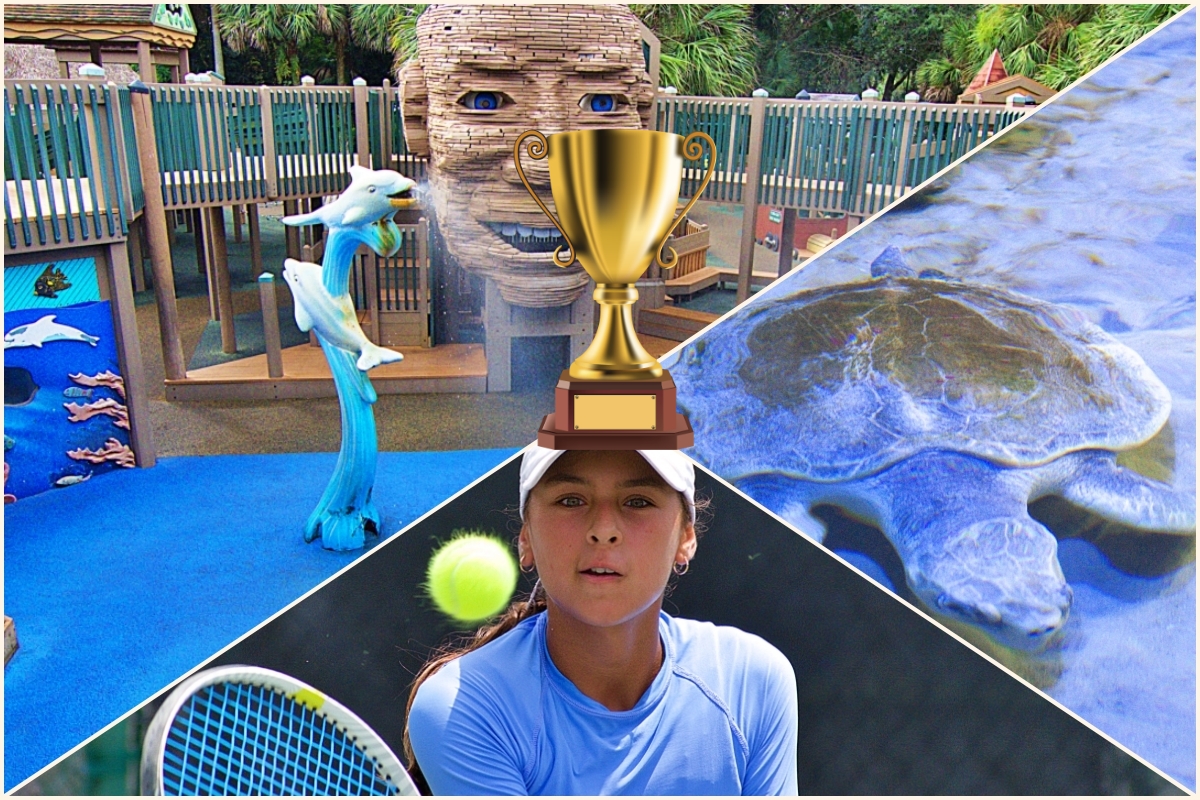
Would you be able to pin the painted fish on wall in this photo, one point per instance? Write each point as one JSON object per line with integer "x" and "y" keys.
{"x": 52, "y": 281}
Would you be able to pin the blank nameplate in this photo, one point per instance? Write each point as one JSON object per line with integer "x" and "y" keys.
{"x": 617, "y": 412}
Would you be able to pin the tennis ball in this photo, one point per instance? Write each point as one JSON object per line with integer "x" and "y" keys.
{"x": 472, "y": 577}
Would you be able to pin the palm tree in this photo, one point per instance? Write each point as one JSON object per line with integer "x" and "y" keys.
{"x": 706, "y": 49}
{"x": 276, "y": 29}
{"x": 1113, "y": 29}
{"x": 942, "y": 79}
{"x": 1053, "y": 44}
{"x": 388, "y": 28}
{"x": 1029, "y": 35}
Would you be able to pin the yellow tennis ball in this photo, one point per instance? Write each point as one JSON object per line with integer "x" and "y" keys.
{"x": 472, "y": 577}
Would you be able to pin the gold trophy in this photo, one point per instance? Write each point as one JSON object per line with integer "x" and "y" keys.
{"x": 615, "y": 192}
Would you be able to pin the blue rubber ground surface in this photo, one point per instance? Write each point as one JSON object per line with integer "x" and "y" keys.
{"x": 121, "y": 584}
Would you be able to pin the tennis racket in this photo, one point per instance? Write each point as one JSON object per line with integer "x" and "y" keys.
{"x": 239, "y": 730}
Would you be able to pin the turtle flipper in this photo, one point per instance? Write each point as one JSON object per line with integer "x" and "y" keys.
{"x": 1098, "y": 483}
{"x": 970, "y": 549}
{"x": 788, "y": 498}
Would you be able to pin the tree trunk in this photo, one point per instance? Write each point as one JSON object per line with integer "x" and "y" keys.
{"x": 340, "y": 44}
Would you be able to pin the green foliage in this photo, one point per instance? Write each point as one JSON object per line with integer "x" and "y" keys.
{"x": 848, "y": 48}
{"x": 311, "y": 38}
{"x": 1055, "y": 44}
{"x": 706, "y": 49}
{"x": 389, "y": 28}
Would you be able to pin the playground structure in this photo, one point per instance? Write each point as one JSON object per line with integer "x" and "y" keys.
{"x": 97, "y": 168}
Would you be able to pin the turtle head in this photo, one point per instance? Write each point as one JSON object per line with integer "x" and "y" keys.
{"x": 1001, "y": 576}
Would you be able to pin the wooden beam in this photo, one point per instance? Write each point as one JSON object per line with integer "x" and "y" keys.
{"x": 154, "y": 217}
{"x": 361, "y": 127}
{"x": 220, "y": 264}
{"x": 145, "y": 63}
{"x": 256, "y": 258}
{"x": 270, "y": 312}
{"x": 758, "y": 106}
{"x": 133, "y": 370}
{"x": 786, "y": 235}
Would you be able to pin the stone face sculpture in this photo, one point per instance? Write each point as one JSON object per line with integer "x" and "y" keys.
{"x": 484, "y": 75}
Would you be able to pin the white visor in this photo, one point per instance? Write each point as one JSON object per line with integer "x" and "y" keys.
{"x": 672, "y": 466}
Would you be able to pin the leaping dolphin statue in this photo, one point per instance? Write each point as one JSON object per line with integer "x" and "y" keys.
{"x": 334, "y": 318}
{"x": 371, "y": 195}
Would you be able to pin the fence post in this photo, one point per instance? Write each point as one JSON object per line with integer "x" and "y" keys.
{"x": 758, "y": 111}
{"x": 423, "y": 277}
{"x": 270, "y": 168}
{"x": 362, "y": 124}
{"x": 385, "y": 124}
{"x": 786, "y": 234}
{"x": 155, "y": 217}
{"x": 904, "y": 150}
{"x": 368, "y": 265}
{"x": 219, "y": 259}
{"x": 270, "y": 312}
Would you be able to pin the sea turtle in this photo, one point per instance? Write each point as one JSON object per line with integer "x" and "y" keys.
{"x": 936, "y": 410}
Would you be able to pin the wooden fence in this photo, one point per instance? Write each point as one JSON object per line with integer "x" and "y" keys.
{"x": 66, "y": 165}
{"x": 847, "y": 157}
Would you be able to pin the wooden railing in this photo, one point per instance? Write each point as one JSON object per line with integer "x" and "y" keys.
{"x": 66, "y": 165}
{"x": 848, "y": 157}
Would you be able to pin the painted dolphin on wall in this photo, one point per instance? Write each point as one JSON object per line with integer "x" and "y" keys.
{"x": 36, "y": 334}
{"x": 334, "y": 318}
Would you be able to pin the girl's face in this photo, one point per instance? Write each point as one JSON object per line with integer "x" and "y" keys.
{"x": 603, "y": 530}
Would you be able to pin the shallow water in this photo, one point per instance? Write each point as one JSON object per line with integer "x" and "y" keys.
{"x": 1089, "y": 204}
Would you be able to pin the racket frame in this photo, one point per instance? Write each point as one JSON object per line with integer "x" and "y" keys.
{"x": 364, "y": 737}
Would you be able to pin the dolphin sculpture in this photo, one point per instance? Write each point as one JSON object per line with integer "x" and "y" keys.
{"x": 371, "y": 195}
{"x": 334, "y": 318}
{"x": 361, "y": 215}
{"x": 36, "y": 334}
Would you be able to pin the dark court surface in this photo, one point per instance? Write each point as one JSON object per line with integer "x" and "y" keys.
{"x": 889, "y": 703}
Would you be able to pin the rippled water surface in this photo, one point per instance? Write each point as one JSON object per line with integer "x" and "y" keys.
{"x": 1090, "y": 204}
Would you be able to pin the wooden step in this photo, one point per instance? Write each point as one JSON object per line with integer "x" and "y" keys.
{"x": 693, "y": 282}
{"x": 676, "y": 324}
{"x": 441, "y": 369}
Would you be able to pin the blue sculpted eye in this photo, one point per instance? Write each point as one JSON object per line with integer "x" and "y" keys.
{"x": 601, "y": 102}
{"x": 483, "y": 101}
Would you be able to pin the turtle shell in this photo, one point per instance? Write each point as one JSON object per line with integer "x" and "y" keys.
{"x": 837, "y": 383}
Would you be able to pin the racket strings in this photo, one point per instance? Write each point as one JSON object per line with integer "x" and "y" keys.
{"x": 240, "y": 739}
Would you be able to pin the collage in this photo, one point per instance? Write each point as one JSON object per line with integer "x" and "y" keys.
{"x": 599, "y": 399}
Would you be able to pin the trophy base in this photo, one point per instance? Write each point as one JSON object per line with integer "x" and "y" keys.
{"x": 611, "y": 415}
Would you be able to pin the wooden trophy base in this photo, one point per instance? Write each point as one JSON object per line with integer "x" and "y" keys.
{"x": 615, "y": 415}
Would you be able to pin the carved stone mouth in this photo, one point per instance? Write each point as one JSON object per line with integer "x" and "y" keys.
{"x": 528, "y": 239}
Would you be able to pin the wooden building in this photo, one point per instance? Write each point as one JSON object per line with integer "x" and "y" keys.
{"x": 992, "y": 85}
{"x": 147, "y": 35}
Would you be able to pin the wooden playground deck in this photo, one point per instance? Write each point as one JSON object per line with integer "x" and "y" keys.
{"x": 446, "y": 368}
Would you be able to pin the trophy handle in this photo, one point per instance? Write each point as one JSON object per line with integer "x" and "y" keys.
{"x": 537, "y": 151}
{"x": 692, "y": 152}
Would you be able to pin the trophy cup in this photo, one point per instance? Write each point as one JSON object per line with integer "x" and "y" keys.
{"x": 615, "y": 192}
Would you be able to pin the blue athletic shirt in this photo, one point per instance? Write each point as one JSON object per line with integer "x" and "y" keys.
{"x": 719, "y": 718}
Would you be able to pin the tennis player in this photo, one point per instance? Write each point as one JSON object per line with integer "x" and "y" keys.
{"x": 588, "y": 687}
